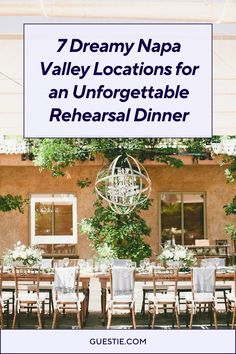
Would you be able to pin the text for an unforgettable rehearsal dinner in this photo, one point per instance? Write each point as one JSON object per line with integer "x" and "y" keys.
{"x": 117, "y": 80}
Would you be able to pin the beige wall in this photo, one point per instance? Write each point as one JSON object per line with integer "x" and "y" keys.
{"x": 18, "y": 177}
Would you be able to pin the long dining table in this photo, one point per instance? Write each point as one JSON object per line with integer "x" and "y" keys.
{"x": 104, "y": 279}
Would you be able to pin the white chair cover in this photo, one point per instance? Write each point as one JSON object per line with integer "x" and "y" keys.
{"x": 122, "y": 281}
{"x": 204, "y": 280}
{"x": 65, "y": 279}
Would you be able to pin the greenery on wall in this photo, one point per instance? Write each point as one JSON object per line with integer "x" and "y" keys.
{"x": 57, "y": 154}
{"x": 83, "y": 183}
{"x": 230, "y": 209}
{"x": 123, "y": 234}
{"x": 230, "y": 230}
{"x": 230, "y": 171}
{"x": 54, "y": 154}
{"x": 10, "y": 202}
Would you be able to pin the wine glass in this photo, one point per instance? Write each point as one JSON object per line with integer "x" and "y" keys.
{"x": 66, "y": 262}
{"x": 146, "y": 263}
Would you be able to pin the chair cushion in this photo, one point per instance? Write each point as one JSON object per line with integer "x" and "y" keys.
{"x": 200, "y": 297}
{"x": 31, "y": 297}
{"x": 70, "y": 297}
{"x": 121, "y": 298}
{"x": 162, "y": 298}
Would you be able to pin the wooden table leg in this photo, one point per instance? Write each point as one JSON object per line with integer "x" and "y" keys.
{"x": 103, "y": 300}
{"x": 85, "y": 289}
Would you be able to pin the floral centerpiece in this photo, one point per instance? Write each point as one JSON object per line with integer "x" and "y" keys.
{"x": 177, "y": 256}
{"x": 22, "y": 255}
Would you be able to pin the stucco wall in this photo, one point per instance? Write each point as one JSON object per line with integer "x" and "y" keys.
{"x": 25, "y": 179}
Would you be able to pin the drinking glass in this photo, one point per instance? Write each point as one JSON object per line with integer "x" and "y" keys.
{"x": 66, "y": 262}
{"x": 96, "y": 266}
{"x": 146, "y": 263}
{"x": 81, "y": 263}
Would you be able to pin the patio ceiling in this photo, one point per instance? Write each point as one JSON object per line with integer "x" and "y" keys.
{"x": 14, "y": 13}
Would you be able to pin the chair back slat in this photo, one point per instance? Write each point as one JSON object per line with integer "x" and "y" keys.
{"x": 74, "y": 262}
{"x": 25, "y": 276}
{"x": 167, "y": 277}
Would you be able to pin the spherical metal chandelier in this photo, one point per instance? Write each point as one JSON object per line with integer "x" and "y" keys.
{"x": 123, "y": 184}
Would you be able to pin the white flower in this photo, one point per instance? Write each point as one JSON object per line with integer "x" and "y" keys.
{"x": 168, "y": 254}
{"x": 179, "y": 254}
{"x": 27, "y": 255}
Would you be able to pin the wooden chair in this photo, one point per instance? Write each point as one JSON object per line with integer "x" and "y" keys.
{"x": 121, "y": 301}
{"x": 26, "y": 300}
{"x": 147, "y": 289}
{"x": 67, "y": 297}
{"x": 203, "y": 293}
{"x": 166, "y": 301}
{"x": 4, "y": 301}
{"x": 231, "y": 304}
{"x": 45, "y": 287}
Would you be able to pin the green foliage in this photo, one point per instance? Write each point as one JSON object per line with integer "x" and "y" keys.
{"x": 171, "y": 161}
{"x": 196, "y": 146}
{"x": 230, "y": 230}
{"x": 230, "y": 208}
{"x": 216, "y": 139}
{"x": 83, "y": 183}
{"x": 230, "y": 171}
{"x": 55, "y": 154}
{"x": 12, "y": 202}
{"x": 105, "y": 252}
{"x": 123, "y": 234}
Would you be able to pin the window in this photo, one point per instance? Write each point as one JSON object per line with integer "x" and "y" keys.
{"x": 182, "y": 217}
{"x": 54, "y": 221}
